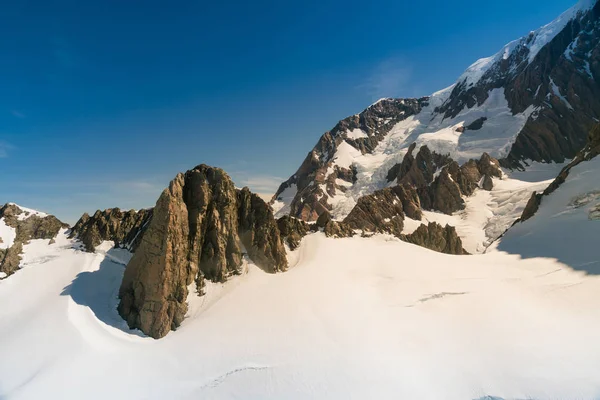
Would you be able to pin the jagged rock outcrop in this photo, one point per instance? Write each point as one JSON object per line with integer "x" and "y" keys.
{"x": 419, "y": 170}
{"x": 259, "y": 232}
{"x": 380, "y": 212}
{"x": 27, "y": 227}
{"x": 440, "y": 182}
{"x": 437, "y": 238}
{"x": 318, "y": 177}
{"x": 292, "y": 230}
{"x": 384, "y": 210}
{"x": 331, "y": 228}
{"x": 591, "y": 150}
{"x": 199, "y": 230}
{"x": 125, "y": 228}
{"x": 154, "y": 288}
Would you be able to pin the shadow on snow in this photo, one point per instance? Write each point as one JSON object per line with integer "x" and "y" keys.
{"x": 99, "y": 290}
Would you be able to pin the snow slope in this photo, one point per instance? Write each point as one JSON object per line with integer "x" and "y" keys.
{"x": 489, "y": 214}
{"x": 353, "y": 318}
{"x": 567, "y": 225}
{"x": 8, "y": 235}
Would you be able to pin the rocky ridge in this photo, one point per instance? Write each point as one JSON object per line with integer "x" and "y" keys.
{"x": 384, "y": 212}
{"x": 201, "y": 228}
{"x": 440, "y": 183}
{"x": 124, "y": 228}
{"x": 318, "y": 177}
{"x": 27, "y": 226}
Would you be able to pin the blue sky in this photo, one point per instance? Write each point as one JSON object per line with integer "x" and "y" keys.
{"x": 103, "y": 102}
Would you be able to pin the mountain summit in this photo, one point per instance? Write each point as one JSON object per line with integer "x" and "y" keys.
{"x": 534, "y": 100}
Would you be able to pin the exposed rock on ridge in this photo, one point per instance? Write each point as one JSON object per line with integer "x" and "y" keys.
{"x": 125, "y": 228}
{"x": 437, "y": 238}
{"x": 591, "y": 150}
{"x": 375, "y": 123}
{"x": 440, "y": 182}
{"x": 200, "y": 228}
{"x": 27, "y": 227}
{"x": 384, "y": 212}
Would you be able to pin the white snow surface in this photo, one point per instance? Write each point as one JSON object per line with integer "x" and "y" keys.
{"x": 8, "y": 235}
{"x": 281, "y": 205}
{"x": 566, "y": 226}
{"x": 353, "y": 318}
{"x": 356, "y": 134}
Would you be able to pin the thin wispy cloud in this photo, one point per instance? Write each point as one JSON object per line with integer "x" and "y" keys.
{"x": 5, "y": 148}
{"x": 18, "y": 114}
{"x": 389, "y": 78}
{"x": 263, "y": 185}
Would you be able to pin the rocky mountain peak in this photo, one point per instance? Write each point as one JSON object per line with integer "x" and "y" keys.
{"x": 534, "y": 100}
{"x": 201, "y": 228}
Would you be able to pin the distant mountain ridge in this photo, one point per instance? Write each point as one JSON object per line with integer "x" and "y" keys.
{"x": 534, "y": 100}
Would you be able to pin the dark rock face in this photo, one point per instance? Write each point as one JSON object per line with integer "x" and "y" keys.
{"x": 211, "y": 201}
{"x": 292, "y": 230}
{"x": 437, "y": 238}
{"x": 380, "y": 212}
{"x": 125, "y": 228}
{"x": 376, "y": 122}
{"x": 443, "y": 194}
{"x": 476, "y": 125}
{"x": 533, "y": 205}
{"x": 591, "y": 150}
{"x": 199, "y": 229}
{"x": 419, "y": 171}
{"x": 440, "y": 182}
{"x": 27, "y": 227}
{"x": 154, "y": 287}
{"x": 384, "y": 212}
{"x": 259, "y": 232}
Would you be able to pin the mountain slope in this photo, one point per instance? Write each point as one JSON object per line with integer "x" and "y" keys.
{"x": 535, "y": 100}
{"x": 562, "y": 221}
{"x": 353, "y": 318}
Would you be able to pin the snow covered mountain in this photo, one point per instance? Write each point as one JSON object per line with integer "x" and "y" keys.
{"x": 354, "y": 305}
{"x": 355, "y": 317}
{"x": 533, "y": 101}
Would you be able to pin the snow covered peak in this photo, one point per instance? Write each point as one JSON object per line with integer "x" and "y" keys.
{"x": 380, "y": 100}
{"x": 546, "y": 33}
{"x": 532, "y": 43}
{"x": 27, "y": 212}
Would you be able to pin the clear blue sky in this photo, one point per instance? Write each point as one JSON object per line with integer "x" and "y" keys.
{"x": 103, "y": 102}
